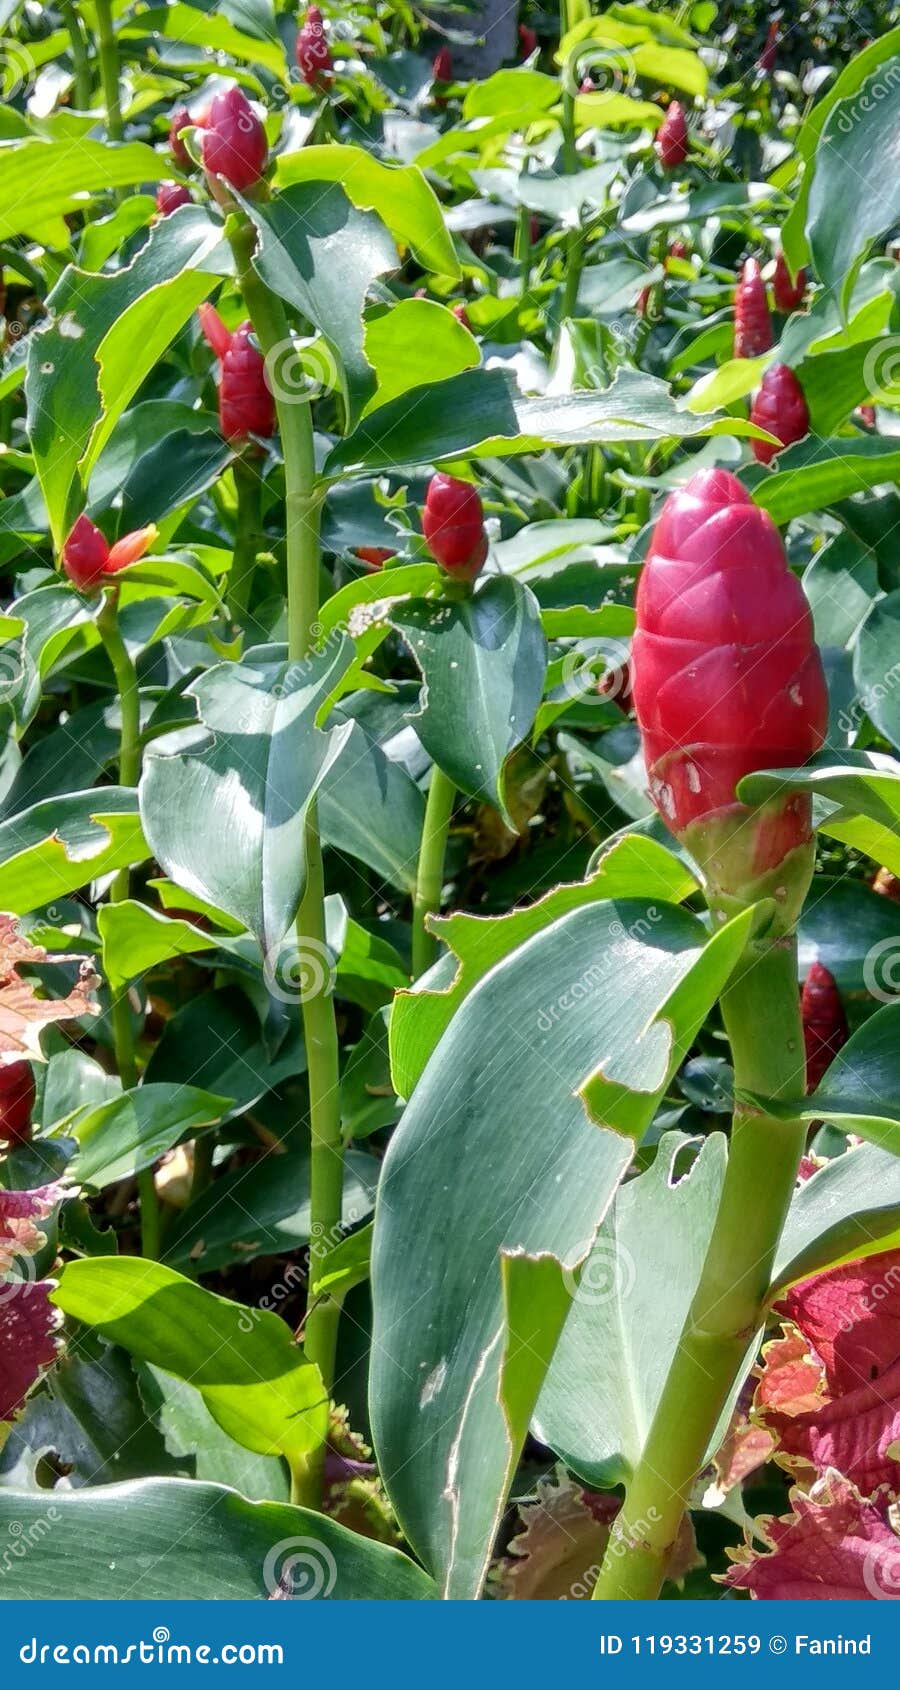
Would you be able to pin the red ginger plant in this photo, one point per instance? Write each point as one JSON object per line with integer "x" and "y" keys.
{"x": 824, "y": 1022}
{"x": 780, "y": 408}
{"x": 234, "y": 141}
{"x": 453, "y": 525}
{"x": 87, "y": 556}
{"x": 787, "y": 294}
{"x": 672, "y": 138}
{"x": 312, "y": 52}
{"x": 170, "y": 195}
{"x": 752, "y": 323}
{"x": 727, "y": 679}
{"x": 245, "y": 404}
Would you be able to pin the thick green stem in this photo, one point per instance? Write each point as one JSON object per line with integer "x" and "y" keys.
{"x": 248, "y": 487}
{"x": 81, "y": 64}
{"x": 762, "y": 1018}
{"x": 430, "y": 873}
{"x": 108, "y": 54}
{"x": 522, "y": 248}
{"x": 129, "y": 773}
{"x": 302, "y": 509}
{"x": 574, "y": 247}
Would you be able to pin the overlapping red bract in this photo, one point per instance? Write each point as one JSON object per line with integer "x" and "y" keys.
{"x": 672, "y": 138}
{"x": 780, "y": 408}
{"x": 726, "y": 676}
{"x": 245, "y": 404}
{"x": 752, "y": 323}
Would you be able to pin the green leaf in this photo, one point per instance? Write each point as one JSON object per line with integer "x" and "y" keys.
{"x": 483, "y": 660}
{"x": 628, "y": 1309}
{"x": 540, "y": 1021}
{"x": 208, "y": 32}
{"x": 321, "y": 254}
{"x": 130, "y": 1132}
{"x": 482, "y": 414}
{"x": 58, "y": 846}
{"x": 371, "y": 808}
{"x": 225, "y": 807}
{"x": 158, "y": 1538}
{"x": 344, "y": 1267}
{"x": 860, "y": 1093}
{"x": 252, "y": 1377}
{"x": 43, "y": 181}
{"x": 876, "y": 666}
{"x": 399, "y": 193}
{"x": 201, "y": 1448}
{"x": 415, "y": 342}
{"x": 816, "y": 473}
{"x": 863, "y": 784}
{"x": 632, "y": 867}
{"x": 843, "y": 925}
{"x": 614, "y": 111}
{"x": 136, "y": 939}
{"x": 848, "y": 1210}
{"x": 125, "y": 319}
{"x": 858, "y": 145}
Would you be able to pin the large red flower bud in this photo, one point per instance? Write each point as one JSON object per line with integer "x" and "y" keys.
{"x": 786, "y": 293}
{"x": 752, "y": 323}
{"x": 672, "y": 138}
{"x": 453, "y": 525}
{"x": 311, "y": 50}
{"x": 780, "y": 408}
{"x": 527, "y": 40}
{"x": 180, "y": 119}
{"x": 16, "y": 1102}
{"x": 169, "y": 196}
{"x": 768, "y": 57}
{"x": 824, "y": 1022}
{"x": 234, "y": 140}
{"x": 245, "y": 404}
{"x": 85, "y": 554}
{"x": 727, "y": 680}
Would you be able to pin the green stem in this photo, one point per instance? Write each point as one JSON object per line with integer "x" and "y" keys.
{"x": 302, "y": 509}
{"x": 574, "y": 245}
{"x": 522, "y": 247}
{"x": 108, "y": 54}
{"x": 762, "y": 1018}
{"x": 129, "y": 774}
{"x": 248, "y": 487}
{"x": 430, "y": 874}
{"x": 81, "y": 65}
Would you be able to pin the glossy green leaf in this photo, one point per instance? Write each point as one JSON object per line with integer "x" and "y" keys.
{"x": 400, "y": 194}
{"x": 858, "y": 145}
{"x": 320, "y": 253}
{"x": 200, "y": 1447}
{"x": 369, "y": 807}
{"x": 816, "y": 473}
{"x": 60, "y": 845}
{"x": 863, "y": 784}
{"x": 548, "y": 1022}
{"x": 849, "y": 1209}
{"x": 483, "y": 660}
{"x": 224, "y": 806}
{"x": 628, "y": 1309}
{"x": 157, "y": 1538}
{"x": 43, "y": 181}
{"x": 876, "y": 666}
{"x": 253, "y": 1379}
{"x": 129, "y": 1132}
{"x": 860, "y": 1093}
{"x": 208, "y": 33}
{"x": 415, "y": 342}
{"x": 854, "y": 933}
{"x": 136, "y": 938}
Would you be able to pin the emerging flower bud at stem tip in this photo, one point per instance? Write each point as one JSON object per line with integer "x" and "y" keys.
{"x": 245, "y": 404}
{"x": 672, "y": 138}
{"x": 234, "y": 141}
{"x": 87, "y": 557}
{"x": 311, "y": 51}
{"x": 453, "y": 525}
{"x": 727, "y": 680}
{"x": 780, "y": 408}
{"x": 752, "y": 323}
{"x": 169, "y": 196}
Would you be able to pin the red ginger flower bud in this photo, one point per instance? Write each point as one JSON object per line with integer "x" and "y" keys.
{"x": 727, "y": 680}
{"x": 87, "y": 557}
{"x": 16, "y": 1102}
{"x": 780, "y": 408}
{"x": 311, "y": 50}
{"x": 768, "y": 58}
{"x": 672, "y": 137}
{"x": 375, "y": 557}
{"x": 527, "y": 40}
{"x": 824, "y": 1022}
{"x": 442, "y": 65}
{"x": 787, "y": 294}
{"x": 453, "y": 525}
{"x": 245, "y": 404}
{"x": 169, "y": 196}
{"x": 180, "y": 119}
{"x": 679, "y": 249}
{"x": 462, "y": 315}
{"x": 752, "y": 323}
{"x": 234, "y": 140}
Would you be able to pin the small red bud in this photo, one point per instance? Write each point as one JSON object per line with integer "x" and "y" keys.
{"x": 181, "y": 119}
{"x": 214, "y": 329}
{"x": 824, "y": 1022}
{"x": 780, "y": 408}
{"x": 245, "y": 404}
{"x": 374, "y": 556}
{"x": 527, "y": 40}
{"x": 234, "y": 141}
{"x": 16, "y": 1102}
{"x": 85, "y": 554}
{"x": 442, "y": 65}
{"x": 752, "y": 323}
{"x": 453, "y": 525}
{"x": 130, "y": 548}
{"x": 786, "y": 293}
{"x": 867, "y": 415}
{"x": 462, "y": 315}
{"x": 679, "y": 249}
{"x": 311, "y": 50}
{"x": 672, "y": 138}
{"x": 169, "y": 196}
{"x": 768, "y": 57}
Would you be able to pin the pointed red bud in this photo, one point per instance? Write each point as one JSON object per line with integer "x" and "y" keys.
{"x": 234, "y": 141}
{"x": 825, "y": 1027}
{"x": 130, "y": 548}
{"x": 442, "y": 65}
{"x": 180, "y": 119}
{"x": 780, "y": 408}
{"x": 169, "y": 196}
{"x": 311, "y": 50}
{"x": 787, "y": 293}
{"x": 752, "y": 323}
{"x": 453, "y": 525}
{"x": 85, "y": 554}
{"x": 672, "y": 138}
